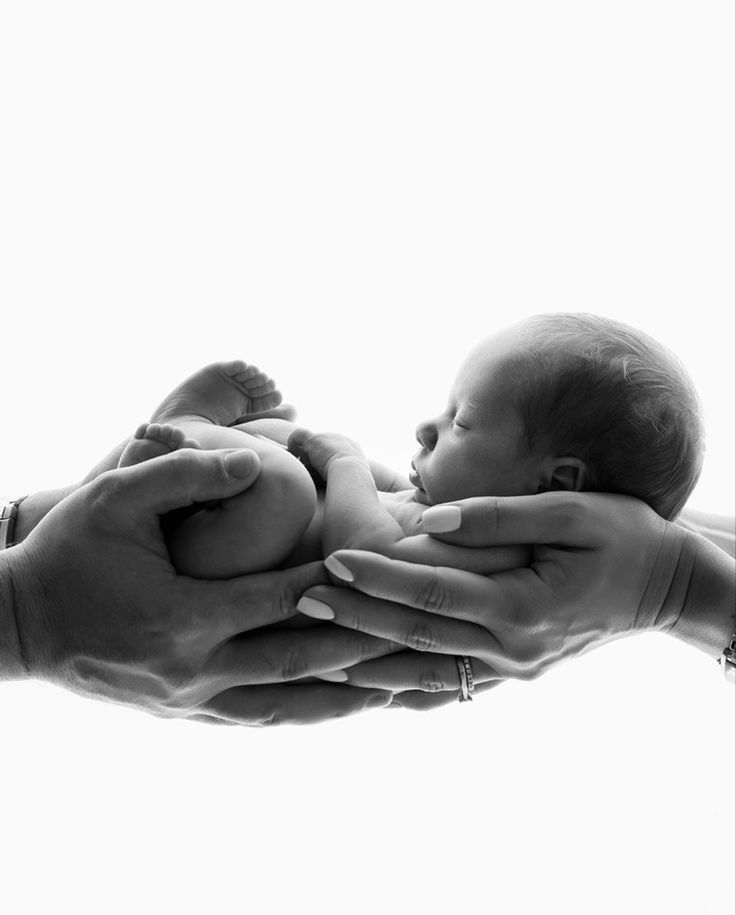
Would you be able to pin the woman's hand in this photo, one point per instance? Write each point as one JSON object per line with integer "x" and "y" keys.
{"x": 101, "y": 610}
{"x": 602, "y": 567}
{"x": 419, "y": 680}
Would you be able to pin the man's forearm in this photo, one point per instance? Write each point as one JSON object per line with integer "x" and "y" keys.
{"x": 11, "y": 664}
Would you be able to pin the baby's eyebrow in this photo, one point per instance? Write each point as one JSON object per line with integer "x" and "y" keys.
{"x": 471, "y": 402}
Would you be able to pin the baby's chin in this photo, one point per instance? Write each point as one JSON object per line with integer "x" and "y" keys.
{"x": 421, "y": 496}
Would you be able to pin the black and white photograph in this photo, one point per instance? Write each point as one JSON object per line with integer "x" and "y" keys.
{"x": 367, "y": 457}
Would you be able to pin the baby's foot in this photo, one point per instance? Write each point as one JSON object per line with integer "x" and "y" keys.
{"x": 151, "y": 440}
{"x": 221, "y": 393}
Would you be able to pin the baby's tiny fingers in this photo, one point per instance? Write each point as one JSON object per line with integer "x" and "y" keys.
{"x": 297, "y": 440}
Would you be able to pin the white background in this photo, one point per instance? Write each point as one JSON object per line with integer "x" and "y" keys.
{"x": 351, "y": 195}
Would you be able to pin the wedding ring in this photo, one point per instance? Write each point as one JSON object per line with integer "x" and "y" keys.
{"x": 465, "y": 672}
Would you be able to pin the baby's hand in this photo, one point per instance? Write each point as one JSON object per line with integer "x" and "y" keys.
{"x": 317, "y": 452}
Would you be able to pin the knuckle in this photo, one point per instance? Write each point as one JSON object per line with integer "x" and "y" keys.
{"x": 358, "y": 622}
{"x": 283, "y": 598}
{"x": 196, "y": 463}
{"x": 420, "y": 637}
{"x": 363, "y": 648}
{"x": 187, "y": 463}
{"x": 570, "y": 513}
{"x": 270, "y": 719}
{"x": 434, "y": 596}
{"x": 295, "y": 664}
{"x": 529, "y": 672}
{"x": 530, "y": 660}
{"x": 494, "y": 515}
{"x": 105, "y": 491}
{"x": 430, "y": 681}
{"x": 176, "y": 679}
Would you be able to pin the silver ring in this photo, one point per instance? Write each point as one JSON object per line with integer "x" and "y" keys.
{"x": 467, "y": 684}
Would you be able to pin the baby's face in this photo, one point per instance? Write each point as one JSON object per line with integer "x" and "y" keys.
{"x": 476, "y": 447}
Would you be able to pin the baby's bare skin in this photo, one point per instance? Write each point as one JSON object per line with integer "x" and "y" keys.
{"x": 280, "y": 521}
{"x": 252, "y": 532}
{"x": 355, "y": 516}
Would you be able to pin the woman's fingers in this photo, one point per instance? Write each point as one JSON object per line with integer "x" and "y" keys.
{"x": 488, "y": 602}
{"x": 446, "y": 611}
{"x": 424, "y": 550}
{"x": 553, "y": 517}
{"x": 261, "y": 706}
{"x": 408, "y": 670}
{"x": 387, "y": 620}
{"x": 272, "y": 657}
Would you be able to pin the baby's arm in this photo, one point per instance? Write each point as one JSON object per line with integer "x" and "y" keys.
{"x": 278, "y": 430}
{"x": 355, "y": 518}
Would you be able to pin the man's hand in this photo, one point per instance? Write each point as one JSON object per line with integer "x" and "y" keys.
{"x": 101, "y": 610}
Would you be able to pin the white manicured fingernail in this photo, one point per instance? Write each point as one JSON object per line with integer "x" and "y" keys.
{"x": 442, "y": 518}
{"x": 338, "y": 569}
{"x": 315, "y": 608}
{"x": 334, "y": 676}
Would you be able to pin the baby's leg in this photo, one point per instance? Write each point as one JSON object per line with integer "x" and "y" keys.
{"x": 254, "y": 531}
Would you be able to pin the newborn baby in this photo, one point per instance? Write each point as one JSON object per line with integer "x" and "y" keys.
{"x": 559, "y": 401}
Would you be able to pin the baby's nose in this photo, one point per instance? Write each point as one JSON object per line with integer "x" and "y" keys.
{"x": 427, "y": 435}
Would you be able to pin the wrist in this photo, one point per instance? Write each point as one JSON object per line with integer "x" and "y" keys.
{"x": 707, "y": 618}
{"x": 347, "y": 459}
{"x": 34, "y": 508}
{"x": 12, "y": 665}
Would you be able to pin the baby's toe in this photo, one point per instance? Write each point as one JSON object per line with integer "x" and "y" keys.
{"x": 173, "y": 435}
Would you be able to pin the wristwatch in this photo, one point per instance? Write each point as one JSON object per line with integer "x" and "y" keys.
{"x": 728, "y": 660}
{"x": 8, "y": 515}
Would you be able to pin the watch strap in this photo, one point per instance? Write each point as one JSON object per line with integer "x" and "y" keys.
{"x": 8, "y": 517}
{"x": 728, "y": 660}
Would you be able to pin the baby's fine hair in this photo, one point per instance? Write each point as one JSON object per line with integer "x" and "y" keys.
{"x": 615, "y": 398}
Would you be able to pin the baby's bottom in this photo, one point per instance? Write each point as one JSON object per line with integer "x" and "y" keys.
{"x": 254, "y": 531}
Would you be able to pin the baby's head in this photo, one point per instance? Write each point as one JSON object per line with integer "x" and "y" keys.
{"x": 565, "y": 401}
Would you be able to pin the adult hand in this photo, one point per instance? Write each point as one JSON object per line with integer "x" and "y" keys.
{"x": 101, "y": 610}
{"x": 419, "y": 680}
{"x": 37, "y": 505}
{"x": 602, "y": 566}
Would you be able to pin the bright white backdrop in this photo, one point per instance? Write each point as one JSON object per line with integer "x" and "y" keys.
{"x": 351, "y": 194}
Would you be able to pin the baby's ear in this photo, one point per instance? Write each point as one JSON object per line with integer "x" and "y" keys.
{"x": 567, "y": 473}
